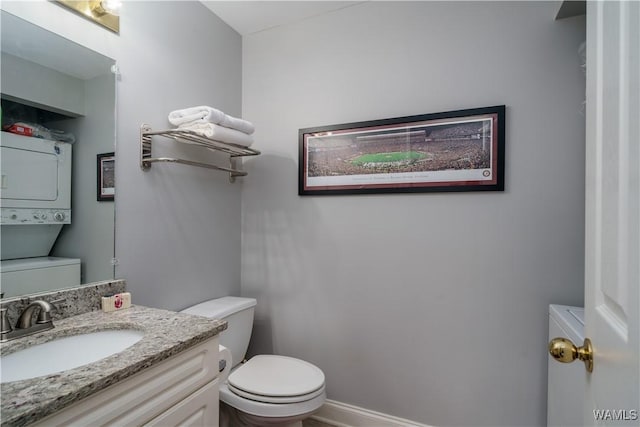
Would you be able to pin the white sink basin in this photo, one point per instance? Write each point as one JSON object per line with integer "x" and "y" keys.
{"x": 65, "y": 353}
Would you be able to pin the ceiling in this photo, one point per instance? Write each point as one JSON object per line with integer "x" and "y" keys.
{"x": 248, "y": 17}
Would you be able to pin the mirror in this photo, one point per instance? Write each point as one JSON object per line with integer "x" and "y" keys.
{"x": 55, "y": 232}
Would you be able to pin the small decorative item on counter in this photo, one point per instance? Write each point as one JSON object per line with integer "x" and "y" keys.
{"x": 116, "y": 302}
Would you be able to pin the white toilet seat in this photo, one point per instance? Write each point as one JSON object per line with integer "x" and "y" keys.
{"x": 274, "y": 386}
{"x": 276, "y": 379}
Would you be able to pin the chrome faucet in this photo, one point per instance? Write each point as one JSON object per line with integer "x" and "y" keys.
{"x": 24, "y": 325}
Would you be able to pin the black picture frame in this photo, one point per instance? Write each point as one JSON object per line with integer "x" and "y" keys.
{"x": 452, "y": 151}
{"x": 106, "y": 177}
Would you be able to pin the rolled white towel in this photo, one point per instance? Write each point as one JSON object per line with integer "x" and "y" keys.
{"x": 241, "y": 125}
{"x": 206, "y": 114}
{"x": 219, "y": 133}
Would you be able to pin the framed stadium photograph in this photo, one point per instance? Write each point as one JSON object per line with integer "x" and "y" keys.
{"x": 459, "y": 150}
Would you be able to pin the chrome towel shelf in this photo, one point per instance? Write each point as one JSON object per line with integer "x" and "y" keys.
{"x": 190, "y": 137}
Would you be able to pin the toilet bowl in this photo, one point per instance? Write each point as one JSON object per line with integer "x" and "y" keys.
{"x": 273, "y": 390}
{"x": 266, "y": 390}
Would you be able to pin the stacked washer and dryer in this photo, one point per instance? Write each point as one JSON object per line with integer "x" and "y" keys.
{"x": 35, "y": 204}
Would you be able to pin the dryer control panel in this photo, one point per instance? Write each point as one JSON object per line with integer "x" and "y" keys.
{"x": 23, "y": 216}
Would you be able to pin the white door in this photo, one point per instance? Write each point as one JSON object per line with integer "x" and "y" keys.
{"x": 612, "y": 256}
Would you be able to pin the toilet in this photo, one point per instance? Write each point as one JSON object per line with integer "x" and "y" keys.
{"x": 266, "y": 390}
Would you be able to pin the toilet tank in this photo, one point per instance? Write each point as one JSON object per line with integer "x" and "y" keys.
{"x": 238, "y": 312}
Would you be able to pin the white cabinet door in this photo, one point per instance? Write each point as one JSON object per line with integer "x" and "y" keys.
{"x": 146, "y": 395}
{"x": 612, "y": 256}
{"x": 198, "y": 410}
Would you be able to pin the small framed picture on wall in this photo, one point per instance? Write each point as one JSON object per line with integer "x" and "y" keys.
{"x": 106, "y": 177}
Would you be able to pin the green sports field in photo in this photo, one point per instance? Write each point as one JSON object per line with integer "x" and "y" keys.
{"x": 398, "y": 156}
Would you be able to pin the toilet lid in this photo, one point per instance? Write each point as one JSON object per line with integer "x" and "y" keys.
{"x": 277, "y": 376}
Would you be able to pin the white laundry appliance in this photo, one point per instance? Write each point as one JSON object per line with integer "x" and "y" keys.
{"x": 35, "y": 202}
{"x": 566, "y": 381}
{"x": 32, "y": 275}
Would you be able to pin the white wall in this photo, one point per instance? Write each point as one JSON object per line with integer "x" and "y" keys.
{"x": 177, "y": 227}
{"x": 430, "y": 307}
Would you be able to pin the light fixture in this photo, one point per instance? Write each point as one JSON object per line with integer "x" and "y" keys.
{"x": 102, "y": 12}
{"x": 106, "y": 6}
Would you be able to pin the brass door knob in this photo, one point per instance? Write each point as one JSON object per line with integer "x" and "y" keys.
{"x": 563, "y": 350}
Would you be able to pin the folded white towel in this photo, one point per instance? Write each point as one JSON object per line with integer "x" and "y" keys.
{"x": 219, "y": 133}
{"x": 195, "y": 114}
{"x": 206, "y": 114}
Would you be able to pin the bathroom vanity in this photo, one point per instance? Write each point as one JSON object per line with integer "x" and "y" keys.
{"x": 168, "y": 377}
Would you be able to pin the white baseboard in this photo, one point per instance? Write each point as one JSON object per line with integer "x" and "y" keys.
{"x": 344, "y": 415}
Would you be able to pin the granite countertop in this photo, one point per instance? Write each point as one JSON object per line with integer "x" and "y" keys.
{"x": 166, "y": 333}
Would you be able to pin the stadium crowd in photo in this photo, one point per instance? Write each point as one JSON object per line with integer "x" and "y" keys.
{"x": 457, "y": 146}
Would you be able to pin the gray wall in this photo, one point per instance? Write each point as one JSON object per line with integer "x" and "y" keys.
{"x": 36, "y": 85}
{"x": 90, "y": 234}
{"x": 431, "y": 307}
{"x": 177, "y": 227}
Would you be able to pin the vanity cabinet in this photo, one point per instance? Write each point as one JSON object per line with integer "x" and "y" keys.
{"x": 181, "y": 390}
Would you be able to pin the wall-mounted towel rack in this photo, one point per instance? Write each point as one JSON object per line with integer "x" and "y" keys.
{"x": 190, "y": 137}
